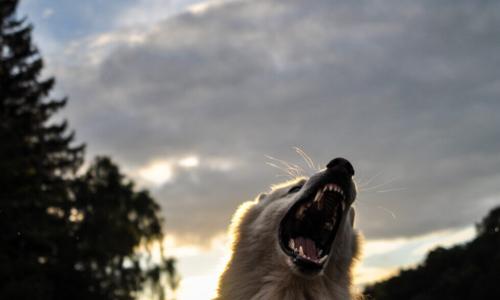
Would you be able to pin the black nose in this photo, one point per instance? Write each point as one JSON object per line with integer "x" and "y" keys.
{"x": 341, "y": 164}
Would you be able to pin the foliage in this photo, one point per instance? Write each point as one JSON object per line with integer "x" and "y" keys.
{"x": 63, "y": 236}
{"x": 469, "y": 271}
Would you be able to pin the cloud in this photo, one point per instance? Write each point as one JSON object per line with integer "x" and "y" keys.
{"x": 47, "y": 13}
{"x": 405, "y": 89}
{"x": 145, "y": 13}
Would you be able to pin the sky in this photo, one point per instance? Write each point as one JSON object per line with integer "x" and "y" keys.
{"x": 194, "y": 98}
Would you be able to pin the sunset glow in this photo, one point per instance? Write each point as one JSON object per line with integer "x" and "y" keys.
{"x": 157, "y": 173}
{"x": 200, "y": 280}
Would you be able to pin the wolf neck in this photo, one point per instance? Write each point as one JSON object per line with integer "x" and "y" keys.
{"x": 287, "y": 286}
{"x": 246, "y": 279}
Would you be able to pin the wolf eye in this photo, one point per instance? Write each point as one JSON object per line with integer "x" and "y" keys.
{"x": 295, "y": 189}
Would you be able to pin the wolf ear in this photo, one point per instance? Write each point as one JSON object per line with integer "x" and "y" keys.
{"x": 352, "y": 214}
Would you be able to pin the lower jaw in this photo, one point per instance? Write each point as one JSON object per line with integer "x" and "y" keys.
{"x": 303, "y": 267}
{"x": 308, "y": 270}
{"x": 305, "y": 272}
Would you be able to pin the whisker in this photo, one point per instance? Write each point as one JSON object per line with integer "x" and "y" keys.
{"x": 390, "y": 212}
{"x": 296, "y": 169}
{"x": 293, "y": 167}
{"x": 390, "y": 190}
{"x": 279, "y": 168}
{"x": 362, "y": 184}
{"x": 285, "y": 170}
{"x": 378, "y": 185}
{"x": 307, "y": 158}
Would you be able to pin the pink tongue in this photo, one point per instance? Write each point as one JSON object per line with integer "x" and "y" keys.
{"x": 308, "y": 246}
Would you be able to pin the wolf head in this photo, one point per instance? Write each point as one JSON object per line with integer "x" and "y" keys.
{"x": 299, "y": 234}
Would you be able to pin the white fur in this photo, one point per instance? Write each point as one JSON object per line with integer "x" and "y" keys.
{"x": 258, "y": 269}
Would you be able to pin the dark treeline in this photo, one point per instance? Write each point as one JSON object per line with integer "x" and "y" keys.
{"x": 470, "y": 271}
{"x": 63, "y": 235}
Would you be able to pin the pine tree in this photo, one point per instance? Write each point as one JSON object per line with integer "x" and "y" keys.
{"x": 36, "y": 158}
{"x": 63, "y": 236}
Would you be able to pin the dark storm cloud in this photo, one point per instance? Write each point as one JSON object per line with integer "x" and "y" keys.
{"x": 407, "y": 88}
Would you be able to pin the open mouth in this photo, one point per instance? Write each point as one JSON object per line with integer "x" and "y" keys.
{"x": 309, "y": 227}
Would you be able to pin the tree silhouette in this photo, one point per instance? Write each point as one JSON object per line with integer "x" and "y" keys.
{"x": 63, "y": 236}
{"x": 35, "y": 159}
{"x": 109, "y": 221}
{"x": 468, "y": 271}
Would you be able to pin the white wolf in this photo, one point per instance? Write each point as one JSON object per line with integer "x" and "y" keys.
{"x": 296, "y": 242}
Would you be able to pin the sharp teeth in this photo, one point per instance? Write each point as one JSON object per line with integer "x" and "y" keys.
{"x": 322, "y": 260}
{"x": 301, "y": 251}
{"x": 320, "y": 252}
{"x": 333, "y": 187}
{"x": 318, "y": 196}
{"x": 291, "y": 244}
{"x": 300, "y": 213}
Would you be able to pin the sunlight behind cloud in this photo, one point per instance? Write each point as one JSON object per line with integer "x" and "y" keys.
{"x": 373, "y": 274}
{"x": 148, "y": 12}
{"x": 157, "y": 172}
{"x": 384, "y": 257}
{"x": 198, "y": 265}
{"x": 189, "y": 161}
{"x": 203, "y": 6}
{"x": 163, "y": 170}
{"x": 197, "y": 287}
{"x": 445, "y": 239}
